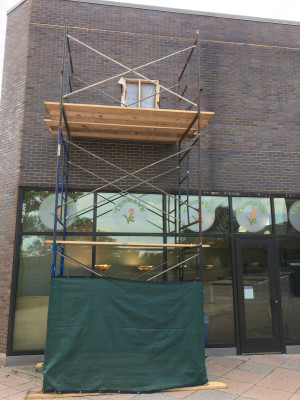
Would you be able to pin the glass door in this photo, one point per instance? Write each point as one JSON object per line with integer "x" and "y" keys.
{"x": 258, "y": 301}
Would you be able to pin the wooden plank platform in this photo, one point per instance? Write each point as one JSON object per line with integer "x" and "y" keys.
{"x": 134, "y": 244}
{"x": 41, "y": 395}
{"x": 125, "y": 123}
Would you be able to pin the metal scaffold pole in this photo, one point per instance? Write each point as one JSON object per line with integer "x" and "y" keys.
{"x": 58, "y": 209}
{"x": 199, "y": 263}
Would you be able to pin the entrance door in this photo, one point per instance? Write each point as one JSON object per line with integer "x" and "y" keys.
{"x": 258, "y": 297}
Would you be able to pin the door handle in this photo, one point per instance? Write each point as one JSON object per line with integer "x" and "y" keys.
{"x": 275, "y": 303}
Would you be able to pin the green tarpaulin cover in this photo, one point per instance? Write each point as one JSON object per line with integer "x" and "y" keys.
{"x": 128, "y": 336}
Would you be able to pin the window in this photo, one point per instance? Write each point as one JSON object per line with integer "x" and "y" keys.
{"x": 139, "y": 93}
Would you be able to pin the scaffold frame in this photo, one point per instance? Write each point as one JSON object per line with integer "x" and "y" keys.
{"x": 64, "y": 144}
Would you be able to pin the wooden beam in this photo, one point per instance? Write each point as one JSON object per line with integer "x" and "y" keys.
{"x": 125, "y": 118}
{"x": 129, "y": 244}
{"x": 118, "y": 136}
{"x": 96, "y": 126}
{"x": 41, "y": 395}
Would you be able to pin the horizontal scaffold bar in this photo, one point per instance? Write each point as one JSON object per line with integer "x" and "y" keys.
{"x": 134, "y": 244}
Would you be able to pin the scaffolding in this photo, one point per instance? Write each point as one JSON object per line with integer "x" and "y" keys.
{"x": 129, "y": 122}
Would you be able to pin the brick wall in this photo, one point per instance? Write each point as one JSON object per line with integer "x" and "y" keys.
{"x": 250, "y": 79}
{"x": 11, "y": 122}
{"x": 249, "y": 74}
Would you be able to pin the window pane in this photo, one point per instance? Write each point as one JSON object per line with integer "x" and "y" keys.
{"x": 289, "y": 266}
{"x": 141, "y": 213}
{"x": 126, "y": 262}
{"x": 287, "y": 215}
{"x": 251, "y": 215}
{"x": 131, "y": 95}
{"x": 215, "y": 214}
{"x": 32, "y": 294}
{"x": 148, "y": 94}
{"x": 33, "y": 287}
{"x": 217, "y": 277}
{"x": 38, "y": 212}
{"x": 79, "y": 252}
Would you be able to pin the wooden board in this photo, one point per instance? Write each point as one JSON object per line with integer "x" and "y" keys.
{"x": 92, "y": 243}
{"x": 40, "y": 395}
{"x": 126, "y": 123}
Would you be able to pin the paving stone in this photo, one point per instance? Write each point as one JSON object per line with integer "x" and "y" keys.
{"x": 220, "y": 365}
{"x": 235, "y": 387}
{"x": 12, "y": 381}
{"x": 244, "y": 398}
{"x": 295, "y": 397}
{"x": 19, "y": 396}
{"x": 282, "y": 379}
{"x": 243, "y": 376}
{"x": 154, "y": 396}
{"x": 211, "y": 395}
{"x": 211, "y": 378}
{"x": 28, "y": 386}
{"x": 181, "y": 394}
{"x": 256, "y": 368}
{"x": 291, "y": 364}
{"x": 8, "y": 392}
{"x": 295, "y": 357}
{"x": 263, "y": 393}
{"x": 275, "y": 359}
{"x": 242, "y": 358}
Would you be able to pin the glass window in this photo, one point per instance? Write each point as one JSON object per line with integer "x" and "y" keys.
{"x": 139, "y": 93}
{"x": 287, "y": 215}
{"x": 79, "y": 252}
{"x": 32, "y": 294}
{"x": 33, "y": 287}
{"x": 289, "y": 267}
{"x": 128, "y": 262}
{"x": 217, "y": 278}
{"x": 38, "y": 212}
{"x": 252, "y": 215}
{"x": 129, "y": 213}
{"x": 215, "y": 214}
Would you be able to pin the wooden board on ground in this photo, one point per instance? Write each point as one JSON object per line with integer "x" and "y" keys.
{"x": 39, "y": 366}
{"x": 41, "y": 395}
{"x": 125, "y": 123}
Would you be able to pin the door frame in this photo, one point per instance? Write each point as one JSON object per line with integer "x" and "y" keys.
{"x": 256, "y": 345}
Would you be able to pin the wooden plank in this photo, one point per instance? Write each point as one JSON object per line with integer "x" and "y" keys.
{"x": 133, "y": 244}
{"x": 92, "y": 126}
{"x": 118, "y": 136}
{"x": 41, "y": 395}
{"x": 95, "y": 108}
{"x": 124, "y": 118}
{"x": 207, "y": 386}
{"x": 123, "y": 123}
{"x": 39, "y": 366}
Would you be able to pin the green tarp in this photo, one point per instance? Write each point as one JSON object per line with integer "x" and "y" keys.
{"x": 114, "y": 335}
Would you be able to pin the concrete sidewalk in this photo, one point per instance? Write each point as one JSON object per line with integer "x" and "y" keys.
{"x": 265, "y": 377}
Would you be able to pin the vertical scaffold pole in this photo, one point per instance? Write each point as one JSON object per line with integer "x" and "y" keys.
{"x": 59, "y": 141}
{"x": 199, "y": 264}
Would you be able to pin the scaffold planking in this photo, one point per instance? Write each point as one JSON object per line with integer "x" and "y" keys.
{"x": 114, "y": 122}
